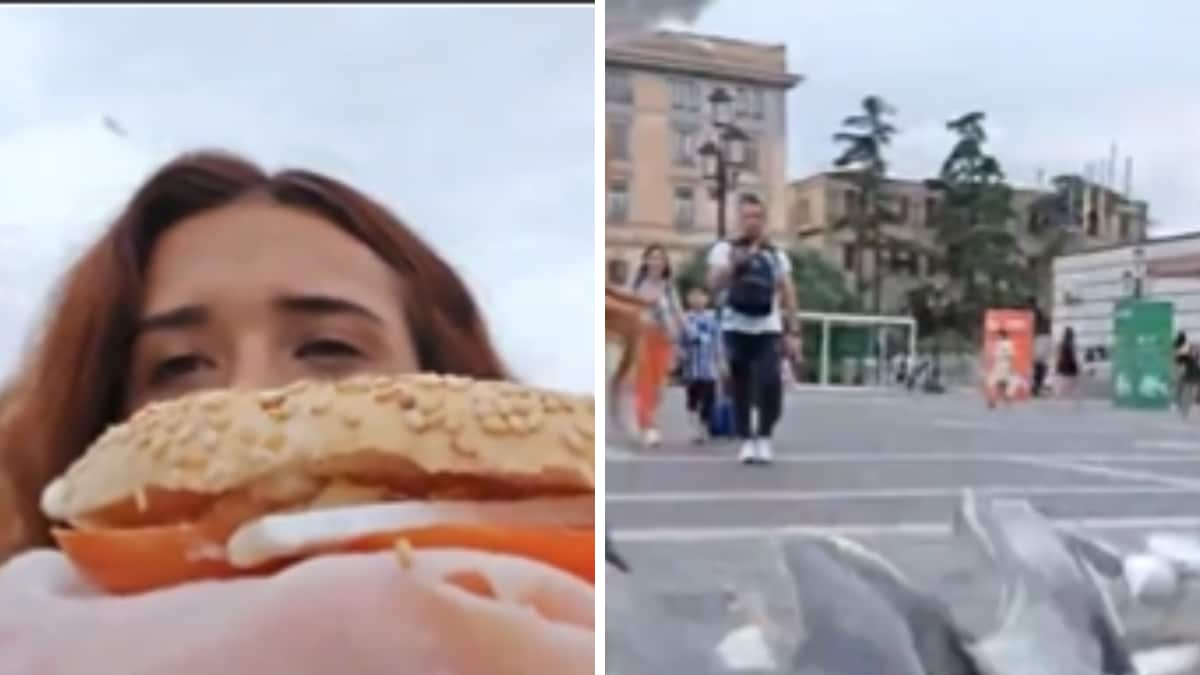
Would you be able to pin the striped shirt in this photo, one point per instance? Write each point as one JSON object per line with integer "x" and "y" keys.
{"x": 701, "y": 346}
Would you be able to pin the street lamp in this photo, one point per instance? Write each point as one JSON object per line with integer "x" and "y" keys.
{"x": 721, "y": 159}
{"x": 1139, "y": 272}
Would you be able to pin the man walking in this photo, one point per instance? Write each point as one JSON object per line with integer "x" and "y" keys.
{"x": 754, "y": 280}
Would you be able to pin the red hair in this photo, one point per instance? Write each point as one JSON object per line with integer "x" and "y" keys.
{"x": 72, "y": 383}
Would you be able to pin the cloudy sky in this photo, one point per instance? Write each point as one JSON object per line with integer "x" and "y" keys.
{"x": 1060, "y": 81}
{"x": 475, "y": 125}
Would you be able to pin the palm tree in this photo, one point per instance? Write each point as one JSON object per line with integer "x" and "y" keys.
{"x": 864, "y": 136}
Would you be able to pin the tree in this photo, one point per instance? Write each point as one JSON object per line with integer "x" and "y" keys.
{"x": 820, "y": 286}
{"x": 973, "y": 224}
{"x": 864, "y": 136}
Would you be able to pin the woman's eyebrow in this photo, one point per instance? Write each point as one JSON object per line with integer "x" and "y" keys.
{"x": 173, "y": 319}
{"x": 323, "y": 304}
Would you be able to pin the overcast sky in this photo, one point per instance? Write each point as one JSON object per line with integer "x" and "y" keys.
{"x": 475, "y": 125}
{"x": 1059, "y": 81}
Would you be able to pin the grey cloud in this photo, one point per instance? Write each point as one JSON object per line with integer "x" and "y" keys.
{"x": 1062, "y": 81}
{"x": 476, "y": 125}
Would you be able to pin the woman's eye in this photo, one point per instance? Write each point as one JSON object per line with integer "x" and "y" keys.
{"x": 318, "y": 349}
{"x": 176, "y": 367}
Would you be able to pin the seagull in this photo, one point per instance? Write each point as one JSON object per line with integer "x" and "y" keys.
{"x": 1056, "y": 618}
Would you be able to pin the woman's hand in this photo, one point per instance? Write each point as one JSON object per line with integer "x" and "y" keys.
{"x": 446, "y": 612}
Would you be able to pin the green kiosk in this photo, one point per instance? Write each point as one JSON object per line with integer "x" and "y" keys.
{"x": 1141, "y": 365}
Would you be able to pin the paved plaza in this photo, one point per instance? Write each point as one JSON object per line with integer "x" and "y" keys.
{"x": 885, "y": 469}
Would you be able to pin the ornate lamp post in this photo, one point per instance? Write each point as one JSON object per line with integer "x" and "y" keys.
{"x": 723, "y": 157}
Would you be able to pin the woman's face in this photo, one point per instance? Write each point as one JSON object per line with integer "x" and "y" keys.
{"x": 656, "y": 262}
{"x": 255, "y": 295}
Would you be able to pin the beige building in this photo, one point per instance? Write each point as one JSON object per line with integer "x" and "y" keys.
{"x": 657, "y": 115}
{"x": 1102, "y": 217}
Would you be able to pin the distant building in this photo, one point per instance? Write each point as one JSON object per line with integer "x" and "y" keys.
{"x": 1095, "y": 215}
{"x": 657, "y": 117}
{"x": 1087, "y": 286}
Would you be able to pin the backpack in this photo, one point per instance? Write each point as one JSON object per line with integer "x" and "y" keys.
{"x": 752, "y": 288}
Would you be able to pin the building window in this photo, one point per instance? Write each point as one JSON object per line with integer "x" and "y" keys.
{"x": 848, "y": 257}
{"x": 684, "y": 207}
{"x": 904, "y": 262}
{"x": 931, "y": 207}
{"x": 619, "y": 129}
{"x": 618, "y": 202}
{"x": 748, "y": 102}
{"x": 685, "y": 95}
{"x": 683, "y": 145}
{"x": 753, "y": 159}
{"x": 758, "y": 104}
{"x": 850, "y": 199}
{"x": 801, "y": 212}
{"x": 902, "y": 210}
{"x": 618, "y": 87}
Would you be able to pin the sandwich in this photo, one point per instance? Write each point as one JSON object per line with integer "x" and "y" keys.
{"x": 229, "y": 483}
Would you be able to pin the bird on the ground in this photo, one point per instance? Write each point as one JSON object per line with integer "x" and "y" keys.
{"x": 611, "y": 556}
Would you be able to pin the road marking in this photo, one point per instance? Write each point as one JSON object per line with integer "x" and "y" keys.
{"x": 1014, "y": 426}
{"x": 1192, "y": 446}
{"x": 898, "y": 493}
{"x": 901, "y": 529}
{"x": 1112, "y": 472}
{"x": 623, "y": 456}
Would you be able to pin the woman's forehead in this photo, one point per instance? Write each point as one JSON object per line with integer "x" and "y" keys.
{"x": 255, "y": 249}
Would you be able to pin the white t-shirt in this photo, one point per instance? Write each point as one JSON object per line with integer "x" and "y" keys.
{"x": 1002, "y": 357}
{"x": 719, "y": 257}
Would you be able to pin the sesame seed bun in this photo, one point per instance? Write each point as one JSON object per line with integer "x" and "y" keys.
{"x": 417, "y": 436}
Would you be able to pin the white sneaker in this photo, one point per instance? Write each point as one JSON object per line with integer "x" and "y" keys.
{"x": 749, "y": 453}
{"x": 651, "y": 438}
{"x": 700, "y": 429}
{"x": 762, "y": 451}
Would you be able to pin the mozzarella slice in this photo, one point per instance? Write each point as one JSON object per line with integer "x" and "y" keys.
{"x": 286, "y": 535}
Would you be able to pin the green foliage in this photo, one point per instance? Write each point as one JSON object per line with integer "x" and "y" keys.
{"x": 983, "y": 257}
{"x": 864, "y": 137}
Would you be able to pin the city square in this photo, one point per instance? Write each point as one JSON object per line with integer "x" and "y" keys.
{"x": 884, "y": 469}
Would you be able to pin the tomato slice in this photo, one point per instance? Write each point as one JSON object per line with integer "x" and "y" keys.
{"x": 145, "y": 558}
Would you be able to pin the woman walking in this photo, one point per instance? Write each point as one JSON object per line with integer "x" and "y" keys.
{"x": 1187, "y": 367}
{"x": 1066, "y": 367}
{"x": 654, "y": 284}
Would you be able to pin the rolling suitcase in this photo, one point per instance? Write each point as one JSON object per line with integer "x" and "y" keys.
{"x": 721, "y": 424}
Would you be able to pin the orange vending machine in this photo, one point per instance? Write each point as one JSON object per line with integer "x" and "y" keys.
{"x": 1019, "y": 325}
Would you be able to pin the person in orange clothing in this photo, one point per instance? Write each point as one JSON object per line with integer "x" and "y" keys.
{"x": 654, "y": 284}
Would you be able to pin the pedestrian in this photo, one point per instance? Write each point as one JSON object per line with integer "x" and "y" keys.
{"x": 1066, "y": 367}
{"x": 701, "y": 367}
{"x": 1000, "y": 375}
{"x": 758, "y": 308}
{"x": 654, "y": 284}
{"x": 1187, "y": 369}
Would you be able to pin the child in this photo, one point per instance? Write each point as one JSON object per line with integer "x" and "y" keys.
{"x": 1000, "y": 379}
{"x": 701, "y": 350}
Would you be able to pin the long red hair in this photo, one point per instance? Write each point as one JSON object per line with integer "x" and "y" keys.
{"x": 71, "y": 383}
